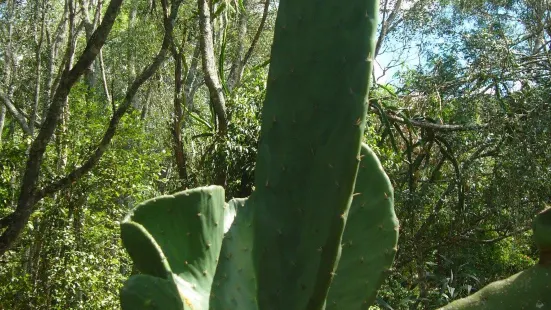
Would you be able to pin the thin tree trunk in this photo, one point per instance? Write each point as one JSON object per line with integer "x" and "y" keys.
{"x": 191, "y": 78}
{"x": 217, "y": 98}
{"x": 237, "y": 69}
{"x": 2, "y": 120}
{"x": 179, "y": 154}
{"x": 386, "y": 25}
{"x": 89, "y": 26}
{"x": 147, "y": 102}
{"x": 131, "y": 50}
{"x": 103, "y": 77}
{"x": 237, "y": 66}
{"x": 19, "y": 117}
{"x": 39, "y": 38}
{"x": 54, "y": 42}
{"x": 258, "y": 32}
{"x": 7, "y": 65}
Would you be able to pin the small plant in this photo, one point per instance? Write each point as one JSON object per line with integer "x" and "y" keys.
{"x": 319, "y": 231}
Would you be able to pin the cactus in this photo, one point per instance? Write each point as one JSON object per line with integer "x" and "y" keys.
{"x": 281, "y": 247}
{"x": 369, "y": 240}
{"x": 529, "y": 289}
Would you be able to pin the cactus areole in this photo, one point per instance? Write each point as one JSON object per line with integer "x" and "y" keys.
{"x": 288, "y": 246}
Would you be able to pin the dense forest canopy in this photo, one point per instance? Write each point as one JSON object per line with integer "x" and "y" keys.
{"x": 104, "y": 104}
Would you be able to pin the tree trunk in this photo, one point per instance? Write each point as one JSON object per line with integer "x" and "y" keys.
{"x": 237, "y": 66}
{"x": 2, "y": 120}
{"x": 217, "y": 98}
{"x": 38, "y": 39}
{"x": 192, "y": 79}
{"x": 54, "y": 43}
{"x": 179, "y": 154}
{"x": 7, "y": 65}
{"x": 237, "y": 69}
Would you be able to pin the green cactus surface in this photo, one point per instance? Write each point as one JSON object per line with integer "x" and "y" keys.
{"x": 529, "y": 289}
{"x": 370, "y": 238}
{"x": 181, "y": 234}
{"x": 542, "y": 231}
{"x": 369, "y": 247}
{"x": 152, "y": 293}
{"x": 234, "y": 284}
{"x": 312, "y": 125}
{"x": 282, "y": 248}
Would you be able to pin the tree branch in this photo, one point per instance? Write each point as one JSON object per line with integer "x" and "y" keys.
{"x": 104, "y": 77}
{"x": 258, "y": 31}
{"x": 497, "y": 239}
{"x": 27, "y": 197}
{"x": 20, "y": 118}
{"x": 386, "y": 25}
{"x": 428, "y": 125}
{"x": 76, "y": 174}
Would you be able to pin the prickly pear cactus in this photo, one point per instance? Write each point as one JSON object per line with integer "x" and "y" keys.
{"x": 369, "y": 240}
{"x": 176, "y": 239}
{"x": 319, "y": 230}
{"x": 529, "y": 289}
{"x": 312, "y": 125}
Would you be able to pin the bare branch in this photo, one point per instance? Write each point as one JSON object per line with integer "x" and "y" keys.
{"x": 386, "y": 24}
{"x": 15, "y": 113}
{"x": 103, "y": 77}
{"x": 497, "y": 239}
{"x": 258, "y": 31}
{"x": 429, "y": 125}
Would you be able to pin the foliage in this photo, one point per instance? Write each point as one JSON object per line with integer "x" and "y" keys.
{"x": 528, "y": 289}
{"x": 239, "y": 148}
{"x": 75, "y": 260}
{"x": 465, "y": 195}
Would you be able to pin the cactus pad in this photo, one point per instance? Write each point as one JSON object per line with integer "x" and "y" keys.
{"x": 370, "y": 238}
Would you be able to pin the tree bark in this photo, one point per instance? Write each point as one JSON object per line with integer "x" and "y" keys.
{"x": 2, "y": 120}
{"x": 258, "y": 33}
{"x": 39, "y": 38}
{"x": 192, "y": 78}
{"x": 217, "y": 98}
{"x": 178, "y": 147}
{"x": 54, "y": 41}
{"x": 19, "y": 117}
{"x": 104, "y": 78}
{"x": 177, "y": 120}
{"x": 386, "y": 25}
{"x": 7, "y": 65}
{"x": 428, "y": 125}
{"x": 237, "y": 66}
{"x": 237, "y": 72}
